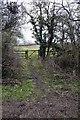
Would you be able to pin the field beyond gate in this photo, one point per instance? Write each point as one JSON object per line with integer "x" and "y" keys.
{"x": 27, "y": 51}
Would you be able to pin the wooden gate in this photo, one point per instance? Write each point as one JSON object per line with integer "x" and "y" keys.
{"x": 28, "y": 53}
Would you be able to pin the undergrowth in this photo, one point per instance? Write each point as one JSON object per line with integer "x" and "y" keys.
{"x": 55, "y": 80}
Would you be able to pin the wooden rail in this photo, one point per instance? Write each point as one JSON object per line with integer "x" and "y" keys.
{"x": 27, "y": 53}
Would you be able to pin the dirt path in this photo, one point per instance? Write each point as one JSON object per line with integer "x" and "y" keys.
{"x": 51, "y": 105}
{"x": 43, "y": 108}
{"x": 37, "y": 78}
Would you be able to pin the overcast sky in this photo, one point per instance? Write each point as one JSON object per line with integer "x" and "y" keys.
{"x": 26, "y": 30}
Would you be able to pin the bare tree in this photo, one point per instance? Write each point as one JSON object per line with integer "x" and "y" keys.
{"x": 37, "y": 20}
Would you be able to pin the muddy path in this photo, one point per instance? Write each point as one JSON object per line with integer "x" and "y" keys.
{"x": 43, "y": 108}
{"x": 51, "y": 105}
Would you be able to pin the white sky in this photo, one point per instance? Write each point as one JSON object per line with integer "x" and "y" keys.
{"x": 26, "y": 31}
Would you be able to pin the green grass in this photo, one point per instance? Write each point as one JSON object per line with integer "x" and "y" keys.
{"x": 25, "y": 69}
{"x": 26, "y": 90}
{"x": 20, "y": 93}
{"x": 30, "y": 47}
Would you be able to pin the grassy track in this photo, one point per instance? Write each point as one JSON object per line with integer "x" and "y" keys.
{"x": 45, "y": 92}
{"x": 52, "y": 81}
{"x": 23, "y": 91}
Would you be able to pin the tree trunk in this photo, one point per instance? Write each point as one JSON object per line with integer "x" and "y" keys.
{"x": 42, "y": 52}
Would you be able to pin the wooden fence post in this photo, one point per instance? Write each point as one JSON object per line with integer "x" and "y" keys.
{"x": 38, "y": 53}
{"x": 26, "y": 54}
